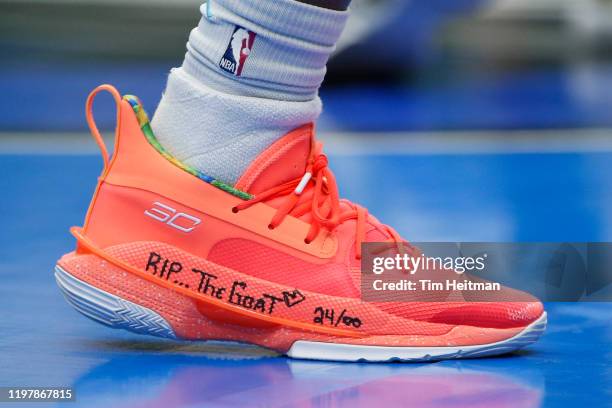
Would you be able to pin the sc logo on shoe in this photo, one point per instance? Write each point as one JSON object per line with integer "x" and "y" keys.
{"x": 171, "y": 217}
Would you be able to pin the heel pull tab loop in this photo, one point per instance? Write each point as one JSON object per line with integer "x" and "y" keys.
{"x": 92, "y": 123}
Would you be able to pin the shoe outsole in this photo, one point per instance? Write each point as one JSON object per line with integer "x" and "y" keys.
{"x": 111, "y": 310}
{"x": 115, "y": 312}
{"x": 312, "y": 350}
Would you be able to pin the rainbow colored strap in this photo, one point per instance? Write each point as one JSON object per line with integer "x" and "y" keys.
{"x": 145, "y": 126}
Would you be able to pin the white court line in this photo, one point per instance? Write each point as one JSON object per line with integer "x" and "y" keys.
{"x": 393, "y": 143}
{"x": 471, "y": 142}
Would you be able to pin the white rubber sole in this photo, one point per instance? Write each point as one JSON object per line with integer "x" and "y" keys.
{"x": 313, "y": 350}
{"x": 119, "y": 313}
{"x": 111, "y": 310}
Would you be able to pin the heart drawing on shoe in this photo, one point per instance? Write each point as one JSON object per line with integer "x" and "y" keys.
{"x": 293, "y": 298}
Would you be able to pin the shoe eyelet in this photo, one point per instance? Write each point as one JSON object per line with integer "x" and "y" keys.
{"x": 307, "y": 242}
{"x": 270, "y": 227}
{"x": 235, "y": 210}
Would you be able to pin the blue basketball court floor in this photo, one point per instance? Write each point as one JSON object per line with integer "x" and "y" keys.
{"x": 490, "y": 188}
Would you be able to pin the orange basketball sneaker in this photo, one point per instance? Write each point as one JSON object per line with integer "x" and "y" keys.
{"x": 273, "y": 261}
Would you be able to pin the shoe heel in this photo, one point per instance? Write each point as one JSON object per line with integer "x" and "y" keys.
{"x": 111, "y": 310}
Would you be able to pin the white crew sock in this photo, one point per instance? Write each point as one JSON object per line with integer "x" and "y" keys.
{"x": 221, "y": 134}
{"x": 251, "y": 74}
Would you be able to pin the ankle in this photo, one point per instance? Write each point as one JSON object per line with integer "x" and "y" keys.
{"x": 221, "y": 134}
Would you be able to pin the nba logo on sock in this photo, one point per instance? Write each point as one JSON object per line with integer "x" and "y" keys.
{"x": 238, "y": 50}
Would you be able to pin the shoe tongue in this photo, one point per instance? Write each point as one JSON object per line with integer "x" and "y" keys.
{"x": 284, "y": 160}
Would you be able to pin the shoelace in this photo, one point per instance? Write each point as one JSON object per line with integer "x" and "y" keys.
{"x": 324, "y": 206}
